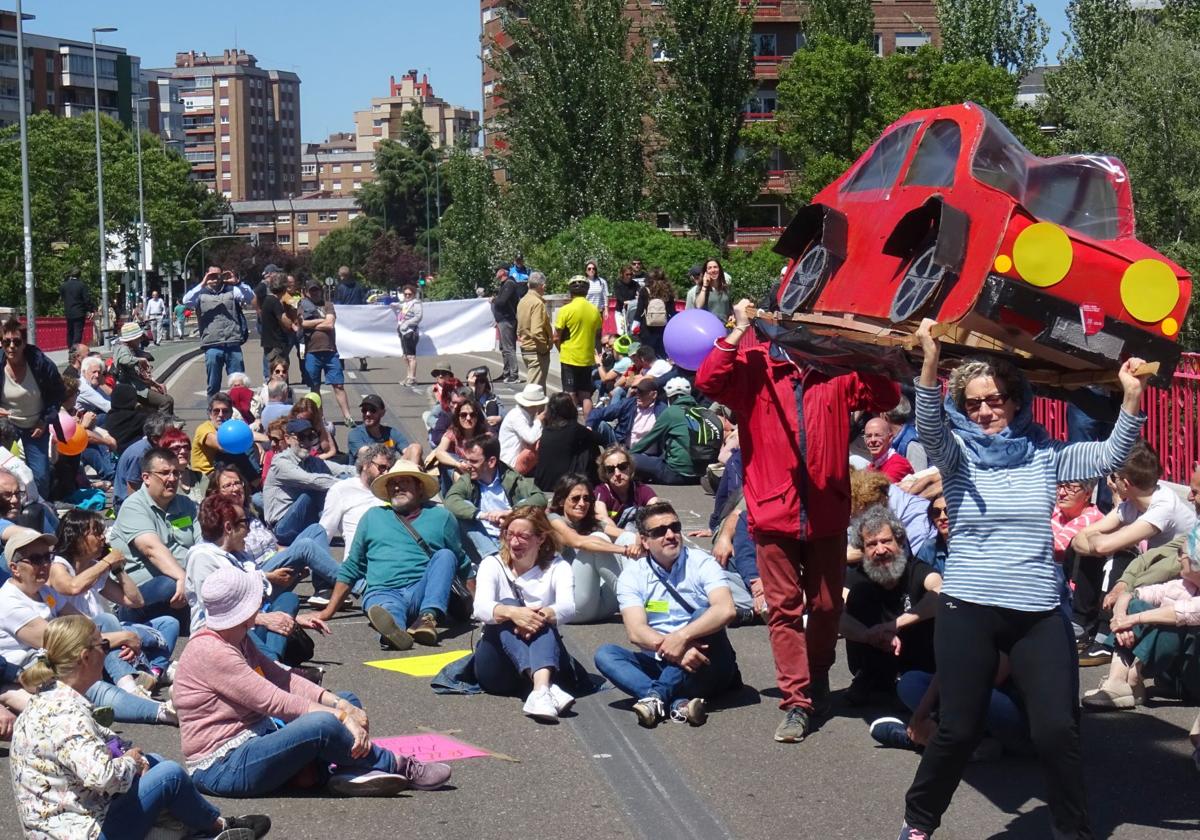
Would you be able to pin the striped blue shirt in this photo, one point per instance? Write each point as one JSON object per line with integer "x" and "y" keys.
{"x": 1002, "y": 551}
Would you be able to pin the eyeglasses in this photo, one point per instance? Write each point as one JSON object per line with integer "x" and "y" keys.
{"x": 13, "y": 342}
{"x": 661, "y": 531}
{"x": 42, "y": 559}
{"x": 11, "y": 494}
{"x": 467, "y": 414}
{"x": 182, "y": 447}
{"x": 381, "y": 467}
{"x": 221, "y": 412}
{"x": 624, "y": 467}
{"x": 369, "y": 409}
{"x": 937, "y": 511}
{"x": 308, "y": 437}
{"x": 993, "y": 401}
{"x": 165, "y": 473}
{"x": 1071, "y": 487}
{"x": 583, "y": 498}
{"x": 104, "y": 645}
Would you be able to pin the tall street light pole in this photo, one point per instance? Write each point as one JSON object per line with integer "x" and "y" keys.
{"x": 30, "y": 301}
{"x": 137, "y": 132}
{"x": 100, "y": 180}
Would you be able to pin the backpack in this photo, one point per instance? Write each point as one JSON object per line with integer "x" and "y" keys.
{"x": 656, "y": 313}
{"x": 705, "y": 434}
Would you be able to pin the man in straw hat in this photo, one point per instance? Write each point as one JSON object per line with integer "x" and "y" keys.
{"x": 131, "y": 366}
{"x": 409, "y": 553}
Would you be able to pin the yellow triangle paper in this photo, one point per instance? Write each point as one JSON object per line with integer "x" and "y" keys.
{"x": 419, "y": 666}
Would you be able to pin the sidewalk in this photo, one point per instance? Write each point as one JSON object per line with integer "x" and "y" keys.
{"x": 168, "y": 356}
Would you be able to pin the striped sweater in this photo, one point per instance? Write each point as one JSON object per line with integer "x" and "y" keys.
{"x": 1002, "y": 554}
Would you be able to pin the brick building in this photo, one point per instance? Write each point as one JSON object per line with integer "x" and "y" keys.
{"x": 446, "y": 122}
{"x": 335, "y": 167}
{"x": 294, "y": 224}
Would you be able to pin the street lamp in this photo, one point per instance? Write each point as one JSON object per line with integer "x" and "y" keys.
{"x": 30, "y": 302}
{"x": 428, "y": 268}
{"x": 137, "y": 132}
{"x": 100, "y": 180}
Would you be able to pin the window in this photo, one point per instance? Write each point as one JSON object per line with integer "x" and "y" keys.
{"x": 933, "y": 165}
{"x": 203, "y": 81}
{"x": 224, "y": 119}
{"x": 225, "y": 157}
{"x": 284, "y": 239}
{"x": 766, "y": 43}
{"x": 106, "y": 68}
{"x": 50, "y": 97}
{"x": 878, "y": 39}
{"x": 284, "y": 219}
{"x": 658, "y": 52}
{"x": 224, "y": 83}
{"x": 910, "y": 42}
{"x": 352, "y": 215}
{"x": 880, "y": 169}
{"x": 337, "y": 185}
{"x": 357, "y": 167}
{"x": 301, "y": 218}
{"x": 356, "y": 185}
{"x": 224, "y": 101}
{"x": 49, "y": 63}
{"x": 226, "y": 176}
{"x": 662, "y": 220}
{"x": 337, "y": 168}
{"x": 302, "y": 238}
{"x": 1000, "y": 160}
{"x": 308, "y": 169}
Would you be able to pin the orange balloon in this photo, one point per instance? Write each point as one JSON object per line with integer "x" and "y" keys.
{"x": 76, "y": 444}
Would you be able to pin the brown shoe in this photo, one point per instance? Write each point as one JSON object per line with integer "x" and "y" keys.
{"x": 424, "y": 630}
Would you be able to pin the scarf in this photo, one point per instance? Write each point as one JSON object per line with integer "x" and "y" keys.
{"x": 1011, "y": 447}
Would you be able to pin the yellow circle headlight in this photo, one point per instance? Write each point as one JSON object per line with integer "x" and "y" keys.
{"x": 1149, "y": 290}
{"x": 1043, "y": 254}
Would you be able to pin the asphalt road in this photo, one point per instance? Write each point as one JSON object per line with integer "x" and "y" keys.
{"x": 597, "y": 774}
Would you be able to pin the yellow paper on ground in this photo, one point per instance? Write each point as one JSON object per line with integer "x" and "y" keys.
{"x": 419, "y": 666}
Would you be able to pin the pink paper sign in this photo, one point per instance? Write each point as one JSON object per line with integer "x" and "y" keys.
{"x": 430, "y": 747}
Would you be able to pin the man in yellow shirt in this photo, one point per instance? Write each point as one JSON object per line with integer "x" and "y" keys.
{"x": 534, "y": 333}
{"x": 575, "y": 330}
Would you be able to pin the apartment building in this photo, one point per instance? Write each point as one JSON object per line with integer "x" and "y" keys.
{"x": 446, "y": 123}
{"x": 294, "y": 224}
{"x": 240, "y": 123}
{"x": 58, "y": 77}
{"x": 334, "y": 168}
{"x": 778, "y": 32}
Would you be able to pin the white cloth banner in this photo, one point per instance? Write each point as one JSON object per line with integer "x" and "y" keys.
{"x": 447, "y": 327}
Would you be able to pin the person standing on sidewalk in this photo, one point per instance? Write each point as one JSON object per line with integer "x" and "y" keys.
{"x": 218, "y": 303}
{"x": 156, "y": 316}
{"x": 350, "y": 293}
{"x": 320, "y": 342}
{"x": 534, "y": 331}
{"x": 504, "y": 310}
{"x": 794, "y": 427}
{"x": 78, "y": 306}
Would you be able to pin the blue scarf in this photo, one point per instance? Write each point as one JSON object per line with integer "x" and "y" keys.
{"x": 1011, "y": 447}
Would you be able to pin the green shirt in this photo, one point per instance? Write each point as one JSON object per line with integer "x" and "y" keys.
{"x": 125, "y": 367}
{"x": 385, "y": 553}
{"x": 671, "y": 437}
{"x": 178, "y": 527}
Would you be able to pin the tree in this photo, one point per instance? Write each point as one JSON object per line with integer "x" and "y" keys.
{"x": 405, "y": 182}
{"x": 852, "y": 21}
{"x": 475, "y": 235}
{"x": 707, "y": 174}
{"x": 392, "y": 262}
{"x": 1004, "y": 33}
{"x": 350, "y": 246}
{"x": 573, "y": 93}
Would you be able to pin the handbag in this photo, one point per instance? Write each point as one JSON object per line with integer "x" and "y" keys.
{"x": 299, "y": 647}
{"x": 461, "y": 603}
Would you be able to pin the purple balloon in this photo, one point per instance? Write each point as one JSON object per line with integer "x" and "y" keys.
{"x": 689, "y": 337}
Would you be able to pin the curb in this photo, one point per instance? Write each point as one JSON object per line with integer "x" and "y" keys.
{"x": 177, "y": 361}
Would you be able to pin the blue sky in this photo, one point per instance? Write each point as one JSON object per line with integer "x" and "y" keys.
{"x": 342, "y": 51}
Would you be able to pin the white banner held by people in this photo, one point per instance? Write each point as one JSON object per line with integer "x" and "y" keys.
{"x": 447, "y": 327}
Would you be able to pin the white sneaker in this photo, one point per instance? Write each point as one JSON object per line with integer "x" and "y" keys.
{"x": 319, "y": 599}
{"x": 540, "y": 705}
{"x": 371, "y": 783}
{"x": 562, "y": 701}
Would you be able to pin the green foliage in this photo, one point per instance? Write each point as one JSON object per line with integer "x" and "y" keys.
{"x": 350, "y": 245}
{"x": 403, "y": 196}
{"x": 1002, "y": 33}
{"x": 706, "y": 174}
{"x": 852, "y": 21}
{"x": 475, "y": 234}
{"x": 393, "y": 262}
{"x": 62, "y": 167}
{"x": 573, "y": 97}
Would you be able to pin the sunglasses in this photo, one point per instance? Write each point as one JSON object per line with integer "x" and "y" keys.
{"x": 662, "y": 530}
{"x": 165, "y": 473}
{"x": 369, "y": 409}
{"x": 467, "y": 414}
{"x": 993, "y": 401}
{"x": 936, "y": 511}
{"x": 13, "y": 342}
{"x": 276, "y": 440}
{"x": 308, "y": 437}
{"x": 585, "y": 498}
{"x": 621, "y": 467}
{"x": 104, "y": 644}
{"x": 42, "y": 559}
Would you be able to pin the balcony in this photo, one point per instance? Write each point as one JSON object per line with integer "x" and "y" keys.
{"x": 751, "y": 237}
{"x": 775, "y": 10}
{"x": 759, "y": 116}
{"x": 768, "y": 66}
{"x": 79, "y": 109}
{"x": 779, "y": 181}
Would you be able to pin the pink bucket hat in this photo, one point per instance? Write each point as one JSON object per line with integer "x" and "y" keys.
{"x": 230, "y": 597}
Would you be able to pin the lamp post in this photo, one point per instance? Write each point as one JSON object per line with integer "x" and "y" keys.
{"x": 100, "y": 180}
{"x": 30, "y": 301}
{"x": 137, "y": 133}
{"x": 428, "y": 268}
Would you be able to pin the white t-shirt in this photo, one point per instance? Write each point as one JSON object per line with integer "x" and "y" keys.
{"x": 16, "y": 610}
{"x": 345, "y": 504}
{"x": 553, "y": 586}
{"x": 518, "y": 433}
{"x": 1167, "y": 512}
{"x": 88, "y": 602}
{"x": 156, "y": 308}
{"x": 660, "y": 367}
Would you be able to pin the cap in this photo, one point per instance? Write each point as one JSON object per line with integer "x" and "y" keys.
{"x": 677, "y": 386}
{"x": 578, "y": 285}
{"x": 622, "y": 365}
{"x": 645, "y": 385}
{"x": 24, "y": 537}
{"x": 271, "y": 268}
{"x": 373, "y": 400}
{"x": 696, "y": 270}
{"x": 298, "y": 426}
{"x": 314, "y": 284}
{"x": 442, "y": 368}
{"x": 231, "y": 595}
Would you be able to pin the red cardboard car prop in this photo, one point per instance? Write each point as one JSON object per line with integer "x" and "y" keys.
{"x": 948, "y": 216}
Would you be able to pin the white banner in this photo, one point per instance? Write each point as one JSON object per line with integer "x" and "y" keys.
{"x": 447, "y": 327}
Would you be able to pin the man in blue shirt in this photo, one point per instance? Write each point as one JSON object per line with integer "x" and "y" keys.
{"x": 676, "y": 604}
{"x": 373, "y": 430}
{"x": 128, "y": 476}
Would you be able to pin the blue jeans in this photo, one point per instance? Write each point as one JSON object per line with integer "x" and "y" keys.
{"x": 100, "y": 459}
{"x": 639, "y": 674}
{"x": 156, "y": 596}
{"x": 504, "y": 661}
{"x": 267, "y": 763}
{"x": 478, "y": 542}
{"x": 158, "y": 639}
{"x": 304, "y": 511}
{"x": 37, "y": 457}
{"x": 429, "y": 594}
{"x": 607, "y": 433}
{"x": 654, "y": 469}
{"x": 1004, "y": 720}
{"x": 127, "y": 708}
{"x": 311, "y": 549}
{"x": 272, "y": 644}
{"x": 220, "y": 360}
{"x": 164, "y": 787}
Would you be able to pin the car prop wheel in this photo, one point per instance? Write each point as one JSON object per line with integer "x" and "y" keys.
{"x": 810, "y": 272}
{"x": 921, "y": 280}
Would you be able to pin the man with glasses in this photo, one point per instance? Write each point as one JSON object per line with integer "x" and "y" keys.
{"x": 350, "y": 498}
{"x": 155, "y": 528}
{"x": 675, "y": 603}
{"x": 206, "y": 450}
{"x": 629, "y": 420}
{"x": 409, "y": 553}
{"x": 128, "y": 476}
{"x": 373, "y": 431}
{"x": 487, "y": 491}
{"x": 295, "y": 487}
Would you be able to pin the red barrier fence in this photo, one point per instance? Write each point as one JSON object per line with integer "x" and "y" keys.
{"x": 52, "y": 333}
{"x": 1173, "y": 419}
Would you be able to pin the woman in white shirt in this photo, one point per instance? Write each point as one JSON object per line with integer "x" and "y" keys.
{"x": 522, "y": 595}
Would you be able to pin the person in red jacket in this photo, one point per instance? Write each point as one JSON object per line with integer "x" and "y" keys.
{"x": 797, "y": 497}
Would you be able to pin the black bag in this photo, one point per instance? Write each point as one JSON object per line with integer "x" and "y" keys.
{"x": 461, "y": 604}
{"x": 705, "y": 435}
{"x": 299, "y": 647}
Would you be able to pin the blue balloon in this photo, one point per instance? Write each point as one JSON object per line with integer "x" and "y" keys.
{"x": 689, "y": 337}
{"x": 235, "y": 437}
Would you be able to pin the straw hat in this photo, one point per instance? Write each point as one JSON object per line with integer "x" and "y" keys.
{"x": 429, "y": 484}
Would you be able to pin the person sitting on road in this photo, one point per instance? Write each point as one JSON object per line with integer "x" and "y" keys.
{"x": 936, "y": 550}
{"x": 308, "y": 408}
{"x": 224, "y": 524}
{"x": 128, "y": 477}
{"x": 485, "y": 494}
{"x": 94, "y": 394}
{"x": 445, "y": 410}
{"x": 279, "y": 403}
{"x": 884, "y": 459}
{"x": 596, "y": 549}
{"x": 480, "y": 381}
{"x": 890, "y": 603}
{"x": 629, "y": 420}
{"x": 295, "y": 487}
{"x": 102, "y": 786}
{"x": 242, "y": 395}
{"x": 131, "y": 366}
{"x": 409, "y": 553}
{"x": 521, "y": 429}
{"x": 191, "y": 483}
{"x": 670, "y": 439}
{"x": 284, "y": 566}
{"x": 904, "y": 434}
{"x": 567, "y": 446}
{"x": 350, "y": 498}
{"x": 675, "y": 604}
{"x": 868, "y": 489}
{"x": 276, "y": 443}
{"x": 206, "y": 449}
{"x": 229, "y": 696}
{"x": 464, "y": 422}
{"x": 618, "y": 495}
{"x": 372, "y": 431}
{"x": 126, "y": 419}
{"x": 522, "y": 596}
{"x": 1073, "y": 511}
{"x": 278, "y": 369}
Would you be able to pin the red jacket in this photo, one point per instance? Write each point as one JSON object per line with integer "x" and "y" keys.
{"x": 761, "y": 390}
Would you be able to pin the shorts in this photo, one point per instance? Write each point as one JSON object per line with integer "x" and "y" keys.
{"x": 325, "y": 362}
{"x": 577, "y": 378}
{"x": 409, "y": 340}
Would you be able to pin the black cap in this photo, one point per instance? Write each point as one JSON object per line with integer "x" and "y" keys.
{"x": 373, "y": 400}
{"x": 696, "y": 270}
{"x": 298, "y": 426}
{"x": 314, "y": 284}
